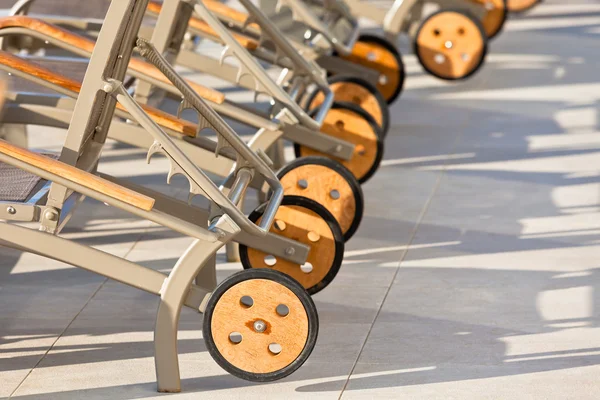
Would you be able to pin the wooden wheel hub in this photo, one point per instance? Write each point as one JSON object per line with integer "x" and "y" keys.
{"x": 495, "y": 16}
{"x": 521, "y": 5}
{"x": 307, "y": 227}
{"x": 325, "y": 186}
{"x": 350, "y": 92}
{"x": 259, "y": 326}
{"x": 450, "y": 44}
{"x": 350, "y": 126}
{"x": 377, "y": 57}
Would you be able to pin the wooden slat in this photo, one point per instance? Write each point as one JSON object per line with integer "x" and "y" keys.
{"x": 87, "y": 45}
{"x": 2, "y": 94}
{"x": 19, "y": 64}
{"x": 168, "y": 121}
{"x": 230, "y": 13}
{"x": 160, "y": 117}
{"x": 205, "y": 29}
{"x": 78, "y": 176}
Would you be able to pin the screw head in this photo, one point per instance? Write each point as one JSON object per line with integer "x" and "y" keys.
{"x": 313, "y": 236}
{"x": 51, "y": 215}
{"x": 280, "y": 225}
{"x": 11, "y": 210}
{"x": 290, "y": 251}
{"x": 303, "y": 184}
{"x": 260, "y": 326}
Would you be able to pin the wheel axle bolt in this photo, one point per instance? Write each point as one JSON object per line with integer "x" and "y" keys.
{"x": 260, "y": 326}
{"x": 448, "y": 44}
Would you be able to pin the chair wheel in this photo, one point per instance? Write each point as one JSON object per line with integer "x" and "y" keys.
{"x": 380, "y": 54}
{"x": 355, "y": 90}
{"x": 330, "y": 184}
{"x": 307, "y": 222}
{"x": 260, "y": 325}
{"x": 518, "y": 6}
{"x": 451, "y": 45}
{"x": 497, "y": 12}
{"x": 351, "y": 123}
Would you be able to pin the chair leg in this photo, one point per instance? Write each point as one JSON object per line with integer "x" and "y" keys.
{"x": 173, "y": 294}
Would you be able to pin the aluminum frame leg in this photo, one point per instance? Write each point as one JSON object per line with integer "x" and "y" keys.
{"x": 173, "y": 294}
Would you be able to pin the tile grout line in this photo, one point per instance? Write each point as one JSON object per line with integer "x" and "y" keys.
{"x": 388, "y": 289}
{"x": 404, "y": 253}
{"x": 60, "y": 335}
{"x": 57, "y": 338}
{"x": 78, "y": 313}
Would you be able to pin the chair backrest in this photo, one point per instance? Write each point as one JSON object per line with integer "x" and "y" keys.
{"x": 177, "y": 13}
{"x": 94, "y": 108}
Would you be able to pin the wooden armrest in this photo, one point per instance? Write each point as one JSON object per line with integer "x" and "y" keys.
{"x": 78, "y": 176}
{"x": 2, "y": 94}
{"x": 32, "y": 69}
{"x": 169, "y": 121}
{"x": 162, "y": 118}
{"x": 204, "y": 28}
{"x": 45, "y": 28}
{"x": 87, "y": 45}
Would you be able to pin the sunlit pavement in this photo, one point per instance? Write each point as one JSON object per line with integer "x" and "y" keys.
{"x": 475, "y": 273}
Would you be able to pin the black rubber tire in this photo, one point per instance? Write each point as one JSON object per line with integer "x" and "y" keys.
{"x": 383, "y": 105}
{"x": 380, "y": 144}
{"x": 369, "y": 38}
{"x": 288, "y": 282}
{"x": 483, "y": 55}
{"x": 504, "y": 19}
{"x": 327, "y": 217}
{"x": 345, "y": 173}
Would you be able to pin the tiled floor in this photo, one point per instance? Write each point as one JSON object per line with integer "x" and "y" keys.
{"x": 474, "y": 275}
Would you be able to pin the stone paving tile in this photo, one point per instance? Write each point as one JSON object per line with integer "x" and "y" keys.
{"x": 510, "y": 381}
{"x": 505, "y": 305}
